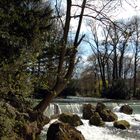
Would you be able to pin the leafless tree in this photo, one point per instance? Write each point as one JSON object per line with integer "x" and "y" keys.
{"x": 86, "y": 9}
{"x": 136, "y": 44}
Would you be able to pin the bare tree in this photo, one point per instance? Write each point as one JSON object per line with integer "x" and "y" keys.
{"x": 63, "y": 78}
{"x": 119, "y": 40}
{"x": 136, "y": 43}
{"x": 65, "y": 69}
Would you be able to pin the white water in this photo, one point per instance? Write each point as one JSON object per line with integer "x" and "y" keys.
{"x": 108, "y": 132}
{"x": 63, "y": 107}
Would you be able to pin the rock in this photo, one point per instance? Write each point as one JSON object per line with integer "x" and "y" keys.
{"x": 55, "y": 116}
{"x": 29, "y": 130}
{"x": 100, "y": 106}
{"x": 43, "y": 120}
{"x": 108, "y": 116}
{"x": 39, "y": 117}
{"x": 72, "y": 119}
{"x": 61, "y": 131}
{"x": 96, "y": 120}
{"x": 122, "y": 124}
{"x": 105, "y": 113}
{"x": 126, "y": 109}
{"x": 88, "y": 111}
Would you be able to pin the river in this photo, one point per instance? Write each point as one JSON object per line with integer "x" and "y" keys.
{"x": 74, "y": 105}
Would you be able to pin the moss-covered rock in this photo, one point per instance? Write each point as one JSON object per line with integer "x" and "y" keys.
{"x": 30, "y": 130}
{"x": 108, "y": 116}
{"x": 88, "y": 111}
{"x": 61, "y": 131}
{"x": 100, "y": 106}
{"x": 122, "y": 124}
{"x": 96, "y": 120}
{"x": 72, "y": 119}
{"x": 15, "y": 125}
{"x": 38, "y": 117}
{"x": 126, "y": 109}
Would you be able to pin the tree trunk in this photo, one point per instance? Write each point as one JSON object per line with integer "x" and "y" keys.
{"x": 50, "y": 96}
{"x": 63, "y": 79}
{"x": 136, "y": 57}
{"x": 121, "y": 64}
{"x": 115, "y": 66}
{"x": 135, "y": 74}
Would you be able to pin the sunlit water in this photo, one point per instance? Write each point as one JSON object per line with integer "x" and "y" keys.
{"x": 100, "y": 133}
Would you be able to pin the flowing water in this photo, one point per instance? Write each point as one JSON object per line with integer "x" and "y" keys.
{"x": 74, "y": 105}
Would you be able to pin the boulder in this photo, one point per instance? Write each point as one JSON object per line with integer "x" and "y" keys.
{"x": 72, "y": 119}
{"x": 126, "y": 109}
{"x": 100, "y": 106}
{"x": 96, "y": 120}
{"x": 108, "y": 116}
{"x": 88, "y": 111}
{"x": 62, "y": 131}
{"x": 29, "y": 130}
{"x": 39, "y": 117}
{"x": 121, "y": 124}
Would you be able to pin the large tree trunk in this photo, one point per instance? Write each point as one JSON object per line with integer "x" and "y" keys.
{"x": 115, "y": 65}
{"x": 136, "y": 57}
{"x": 121, "y": 64}
{"x": 135, "y": 72}
{"x": 50, "y": 96}
{"x": 63, "y": 79}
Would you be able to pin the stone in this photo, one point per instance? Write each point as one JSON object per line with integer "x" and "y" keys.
{"x": 55, "y": 116}
{"x": 126, "y": 109}
{"x": 62, "y": 131}
{"x": 72, "y": 119}
{"x": 100, "y": 106}
{"x": 108, "y": 116}
{"x": 30, "y": 130}
{"x": 96, "y": 120}
{"x": 122, "y": 124}
{"x": 39, "y": 117}
{"x": 88, "y": 111}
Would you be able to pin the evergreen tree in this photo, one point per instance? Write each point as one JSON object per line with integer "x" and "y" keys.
{"x": 24, "y": 25}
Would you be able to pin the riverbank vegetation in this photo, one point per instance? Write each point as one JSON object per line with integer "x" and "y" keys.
{"x": 38, "y": 58}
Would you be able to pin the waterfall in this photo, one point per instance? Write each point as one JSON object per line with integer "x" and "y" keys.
{"x": 74, "y": 105}
{"x": 58, "y": 108}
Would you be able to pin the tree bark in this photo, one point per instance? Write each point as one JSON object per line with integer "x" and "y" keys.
{"x": 115, "y": 66}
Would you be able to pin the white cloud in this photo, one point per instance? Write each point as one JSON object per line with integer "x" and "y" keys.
{"x": 129, "y": 9}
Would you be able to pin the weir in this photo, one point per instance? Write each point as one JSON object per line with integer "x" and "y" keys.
{"x": 74, "y": 105}
{"x": 58, "y": 108}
